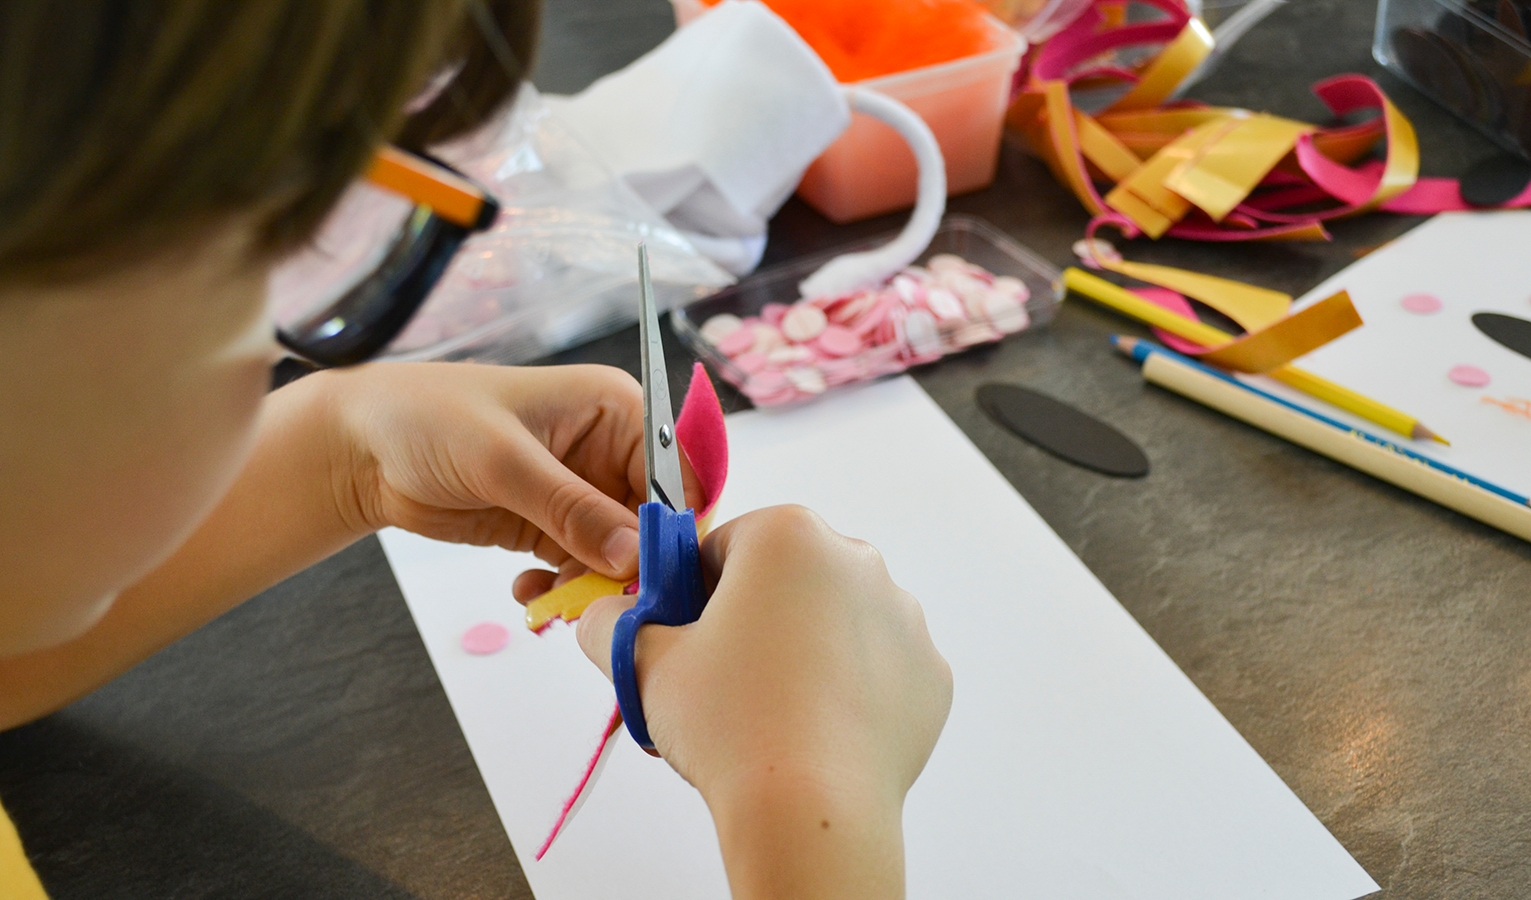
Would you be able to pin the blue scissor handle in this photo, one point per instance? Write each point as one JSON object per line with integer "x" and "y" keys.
{"x": 669, "y": 593}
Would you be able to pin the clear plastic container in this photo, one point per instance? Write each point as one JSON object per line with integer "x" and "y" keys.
{"x": 1472, "y": 58}
{"x": 870, "y": 170}
{"x": 971, "y": 238}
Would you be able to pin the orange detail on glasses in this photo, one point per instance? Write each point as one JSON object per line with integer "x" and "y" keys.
{"x": 449, "y": 195}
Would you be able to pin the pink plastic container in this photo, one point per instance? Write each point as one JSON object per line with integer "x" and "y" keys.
{"x": 869, "y": 170}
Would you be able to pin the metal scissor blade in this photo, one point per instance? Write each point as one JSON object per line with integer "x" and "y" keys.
{"x": 661, "y": 455}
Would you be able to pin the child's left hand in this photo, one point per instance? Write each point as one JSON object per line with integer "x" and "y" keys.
{"x": 545, "y": 459}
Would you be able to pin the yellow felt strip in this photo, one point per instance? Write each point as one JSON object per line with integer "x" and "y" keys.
{"x": 1163, "y": 125}
{"x": 1226, "y": 170}
{"x": 1401, "y": 169}
{"x": 1146, "y": 183}
{"x": 1145, "y": 131}
{"x": 1296, "y": 335}
{"x": 17, "y": 880}
{"x": 1102, "y": 148}
{"x": 1178, "y": 60}
{"x": 1313, "y": 231}
{"x": 569, "y": 600}
{"x": 1057, "y": 144}
{"x": 1250, "y": 306}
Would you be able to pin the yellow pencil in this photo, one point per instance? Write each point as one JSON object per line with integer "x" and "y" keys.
{"x": 1129, "y": 304}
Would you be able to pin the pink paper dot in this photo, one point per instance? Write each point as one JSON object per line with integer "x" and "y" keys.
{"x": 1468, "y": 376}
{"x": 485, "y": 638}
{"x": 1422, "y": 304}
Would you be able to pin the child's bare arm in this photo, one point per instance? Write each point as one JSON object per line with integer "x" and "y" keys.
{"x": 529, "y": 459}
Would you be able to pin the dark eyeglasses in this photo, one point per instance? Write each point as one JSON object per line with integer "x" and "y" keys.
{"x": 377, "y": 258}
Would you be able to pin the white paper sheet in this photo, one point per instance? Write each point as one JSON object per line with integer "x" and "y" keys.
{"x": 1474, "y": 262}
{"x": 1078, "y": 762}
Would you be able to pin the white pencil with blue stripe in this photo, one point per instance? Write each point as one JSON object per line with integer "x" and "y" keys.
{"x": 1467, "y": 494}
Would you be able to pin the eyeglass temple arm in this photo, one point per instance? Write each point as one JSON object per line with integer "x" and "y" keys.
{"x": 449, "y": 195}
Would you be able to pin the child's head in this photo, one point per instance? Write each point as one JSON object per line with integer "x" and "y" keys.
{"x": 155, "y": 156}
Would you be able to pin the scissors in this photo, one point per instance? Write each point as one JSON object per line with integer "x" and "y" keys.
{"x": 670, "y": 588}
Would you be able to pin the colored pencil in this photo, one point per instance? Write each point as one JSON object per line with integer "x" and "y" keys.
{"x": 1467, "y": 494}
{"x": 1129, "y": 304}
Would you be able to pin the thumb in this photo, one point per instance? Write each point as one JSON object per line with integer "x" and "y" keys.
{"x": 596, "y": 625}
{"x": 592, "y": 527}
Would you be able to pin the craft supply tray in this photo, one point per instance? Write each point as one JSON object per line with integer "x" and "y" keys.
{"x": 970, "y": 238}
{"x": 1471, "y": 57}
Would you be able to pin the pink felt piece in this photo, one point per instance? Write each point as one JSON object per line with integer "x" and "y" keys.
{"x": 1468, "y": 376}
{"x": 485, "y": 638}
{"x": 1175, "y": 303}
{"x": 704, "y": 438}
{"x": 1421, "y": 304}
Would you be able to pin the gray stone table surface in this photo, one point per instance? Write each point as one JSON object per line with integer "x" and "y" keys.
{"x": 1374, "y": 648}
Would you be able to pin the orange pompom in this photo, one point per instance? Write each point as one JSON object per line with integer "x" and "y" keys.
{"x": 861, "y": 39}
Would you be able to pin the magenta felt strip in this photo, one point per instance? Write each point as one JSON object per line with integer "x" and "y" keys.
{"x": 704, "y": 438}
{"x": 613, "y": 725}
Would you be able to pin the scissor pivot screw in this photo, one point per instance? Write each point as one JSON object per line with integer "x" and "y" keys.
{"x": 664, "y": 436}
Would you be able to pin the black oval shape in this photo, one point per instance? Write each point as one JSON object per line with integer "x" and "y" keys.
{"x": 1062, "y": 430}
{"x": 1494, "y": 181}
{"x": 1506, "y": 331}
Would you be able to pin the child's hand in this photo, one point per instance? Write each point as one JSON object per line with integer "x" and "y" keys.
{"x": 547, "y": 459}
{"x": 802, "y": 704}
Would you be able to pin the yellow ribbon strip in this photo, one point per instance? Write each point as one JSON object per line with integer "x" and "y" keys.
{"x": 1260, "y": 351}
{"x": 1253, "y": 308}
{"x": 1296, "y": 335}
{"x": 1165, "y": 162}
{"x": 1143, "y": 197}
{"x": 1179, "y": 59}
{"x": 1228, "y": 169}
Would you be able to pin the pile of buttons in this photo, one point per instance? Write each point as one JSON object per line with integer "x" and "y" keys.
{"x": 790, "y": 353}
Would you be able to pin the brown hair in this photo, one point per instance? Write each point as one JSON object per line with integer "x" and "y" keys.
{"x": 126, "y": 124}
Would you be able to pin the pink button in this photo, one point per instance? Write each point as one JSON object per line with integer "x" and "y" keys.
{"x": 837, "y": 341}
{"x": 773, "y": 313}
{"x": 1468, "y": 376}
{"x": 485, "y": 638}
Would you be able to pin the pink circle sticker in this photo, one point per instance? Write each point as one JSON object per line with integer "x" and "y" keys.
{"x": 485, "y": 638}
{"x": 1468, "y": 376}
{"x": 1421, "y": 304}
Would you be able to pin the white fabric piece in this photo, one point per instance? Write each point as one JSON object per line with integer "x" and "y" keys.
{"x": 715, "y": 126}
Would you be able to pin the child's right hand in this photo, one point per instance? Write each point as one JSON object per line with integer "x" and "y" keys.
{"x": 802, "y": 704}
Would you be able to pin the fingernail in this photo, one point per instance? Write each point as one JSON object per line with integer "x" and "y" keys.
{"x": 621, "y": 549}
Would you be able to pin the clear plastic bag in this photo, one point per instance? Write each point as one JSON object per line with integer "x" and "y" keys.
{"x": 557, "y": 268}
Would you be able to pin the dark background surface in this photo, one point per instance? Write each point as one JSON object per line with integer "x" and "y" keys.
{"x": 1375, "y": 649}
